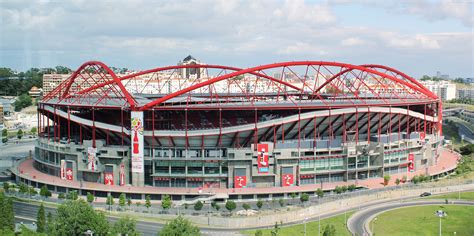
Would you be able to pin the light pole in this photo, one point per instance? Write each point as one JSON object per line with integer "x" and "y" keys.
{"x": 440, "y": 214}
{"x": 305, "y": 219}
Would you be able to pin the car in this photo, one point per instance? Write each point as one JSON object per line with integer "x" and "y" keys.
{"x": 425, "y": 194}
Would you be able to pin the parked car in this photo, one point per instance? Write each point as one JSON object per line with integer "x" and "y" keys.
{"x": 425, "y": 194}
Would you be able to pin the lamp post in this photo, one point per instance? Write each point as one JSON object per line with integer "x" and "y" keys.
{"x": 440, "y": 214}
{"x": 305, "y": 219}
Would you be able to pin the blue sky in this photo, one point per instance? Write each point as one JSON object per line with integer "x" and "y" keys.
{"x": 417, "y": 37}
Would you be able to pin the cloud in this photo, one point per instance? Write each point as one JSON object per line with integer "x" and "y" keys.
{"x": 352, "y": 41}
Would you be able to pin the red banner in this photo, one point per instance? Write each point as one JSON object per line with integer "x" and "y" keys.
{"x": 240, "y": 181}
{"x": 411, "y": 162}
{"x": 422, "y": 135}
{"x": 122, "y": 175}
{"x": 287, "y": 180}
{"x": 109, "y": 178}
{"x": 263, "y": 164}
{"x": 69, "y": 173}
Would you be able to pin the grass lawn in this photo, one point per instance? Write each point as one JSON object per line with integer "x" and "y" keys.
{"x": 464, "y": 196}
{"x": 311, "y": 227}
{"x": 421, "y": 220}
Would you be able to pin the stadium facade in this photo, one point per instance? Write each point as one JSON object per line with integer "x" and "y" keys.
{"x": 276, "y": 125}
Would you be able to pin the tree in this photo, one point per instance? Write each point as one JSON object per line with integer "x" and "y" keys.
{"x": 275, "y": 229}
{"x": 179, "y": 226}
{"x": 415, "y": 179}
{"x": 19, "y": 134}
{"x": 7, "y": 214}
{"x": 109, "y": 201}
{"x": 147, "y": 201}
{"x": 22, "y": 101}
{"x": 246, "y": 206}
{"x": 166, "y": 202}
{"x": 44, "y": 191}
{"x": 404, "y": 179}
{"x": 76, "y": 217}
{"x": 304, "y": 197}
{"x": 61, "y": 196}
{"x": 41, "y": 220}
{"x": 125, "y": 226}
{"x": 122, "y": 200}
{"x": 230, "y": 205}
{"x": 33, "y": 130}
{"x": 344, "y": 188}
{"x": 293, "y": 195}
{"x": 72, "y": 195}
{"x": 351, "y": 187}
{"x": 50, "y": 222}
{"x": 386, "y": 180}
{"x": 259, "y": 204}
{"x": 4, "y": 140}
{"x": 338, "y": 190}
{"x": 282, "y": 202}
{"x": 129, "y": 202}
{"x": 198, "y": 206}
{"x": 319, "y": 193}
{"x": 90, "y": 197}
{"x": 397, "y": 181}
{"x": 4, "y": 132}
{"x": 329, "y": 230}
{"x": 6, "y": 186}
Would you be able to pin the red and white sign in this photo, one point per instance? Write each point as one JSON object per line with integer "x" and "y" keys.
{"x": 411, "y": 162}
{"x": 263, "y": 164}
{"x": 63, "y": 169}
{"x": 287, "y": 180}
{"x": 91, "y": 152}
{"x": 69, "y": 173}
{"x": 137, "y": 141}
{"x": 422, "y": 136}
{"x": 109, "y": 178}
{"x": 122, "y": 174}
{"x": 240, "y": 181}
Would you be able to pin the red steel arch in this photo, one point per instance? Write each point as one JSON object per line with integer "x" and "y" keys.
{"x": 343, "y": 66}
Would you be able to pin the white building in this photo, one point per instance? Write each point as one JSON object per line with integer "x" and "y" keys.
{"x": 446, "y": 90}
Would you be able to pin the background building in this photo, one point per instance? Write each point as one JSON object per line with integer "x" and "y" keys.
{"x": 445, "y": 90}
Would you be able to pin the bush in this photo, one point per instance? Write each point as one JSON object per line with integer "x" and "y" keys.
{"x": 282, "y": 202}
{"x": 259, "y": 204}
{"x": 258, "y": 233}
{"x": 304, "y": 197}
{"x": 230, "y": 205}
{"x": 198, "y": 206}
{"x": 246, "y": 206}
{"x": 61, "y": 196}
{"x": 352, "y": 187}
{"x": 319, "y": 193}
{"x": 44, "y": 191}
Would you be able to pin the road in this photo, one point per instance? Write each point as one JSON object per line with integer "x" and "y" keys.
{"x": 357, "y": 222}
{"x": 13, "y": 151}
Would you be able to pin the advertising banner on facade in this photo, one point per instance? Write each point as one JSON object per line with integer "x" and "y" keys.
{"x": 263, "y": 164}
{"x": 240, "y": 181}
{"x": 122, "y": 174}
{"x": 422, "y": 136}
{"x": 287, "y": 180}
{"x": 63, "y": 169}
{"x": 69, "y": 173}
{"x": 109, "y": 178}
{"x": 91, "y": 163}
{"x": 411, "y": 162}
{"x": 137, "y": 141}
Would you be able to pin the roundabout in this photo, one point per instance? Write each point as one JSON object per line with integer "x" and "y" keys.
{"x": 417, "y": 217}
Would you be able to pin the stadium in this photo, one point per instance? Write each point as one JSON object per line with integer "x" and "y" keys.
{"x": 269, "y": 129}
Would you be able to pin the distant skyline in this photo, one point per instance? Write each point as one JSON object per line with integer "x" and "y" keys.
{"x": 416, "y": 37}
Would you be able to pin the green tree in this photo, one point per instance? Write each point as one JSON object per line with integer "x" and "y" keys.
{"x": 6, "y": 186}
{"x": 33, "y": 130}
{"x": 397, "y": 181}
{"x": 319, "y": 193}
{"x": 166, "y": 202}
{"x": 109, "y": 201}
{"x": 72, "y": 195}
{"x": 293, "y": 195}
{"x": 179, "y": 226}
{"x": 61, "y": 196}
{"x": 344, "y": 188}
{"x": 282, "y": 202}
{"x": 122, "y": 200}
{"x": 41, "y": 220}
{"x": 351, "y": 187}
{"x": 259, "y": 204}
{"x": 230, "y": 205}
{"x": 329, "y": 230}
{"x": 147, "y": 201}
{"x": 246, "y": 206}
{"x": 275, "y": 230}
{"x": 19, "y": 134}
{"x": 304, "y": 197}
{"x": 4, "y": 140}
{"x": 8, "y": 221}
{"x": 198, "y": 206}
{"x": 129, "y": 202}
{"x": 386, "y": 180}
{"x": 44, "y": 191}
{"x": 76, "y": 217}
{"x": 50, "y": 222}
{"x": 125, "y": 226}
{"x": 338, "y": 190}
{"x": 4, "y": 132}
{"x": 22, "y": 101}
{"x": 90, "y": 197}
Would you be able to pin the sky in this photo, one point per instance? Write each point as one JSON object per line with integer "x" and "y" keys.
{"x": 416, "y": 37}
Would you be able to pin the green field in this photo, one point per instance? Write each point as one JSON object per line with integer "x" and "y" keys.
{"x": 464, "y": 196}
{"x": 311, "y": 227}
{"x": 422, "y": 220}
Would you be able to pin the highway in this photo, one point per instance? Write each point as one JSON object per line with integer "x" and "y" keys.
{"x": 358, "y": 223}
